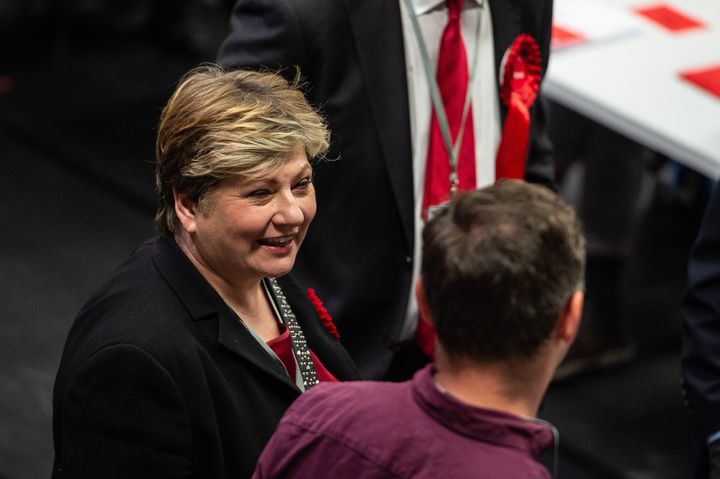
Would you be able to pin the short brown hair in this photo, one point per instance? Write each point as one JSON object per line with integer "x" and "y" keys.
{"x": 498, "y": 266}
{"x": 219, "y": 124}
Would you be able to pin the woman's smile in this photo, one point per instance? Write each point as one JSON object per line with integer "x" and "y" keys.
{"x": 279, "y": 244}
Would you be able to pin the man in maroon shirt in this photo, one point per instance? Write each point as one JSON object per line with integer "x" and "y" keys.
{"x": 501, "y": 280}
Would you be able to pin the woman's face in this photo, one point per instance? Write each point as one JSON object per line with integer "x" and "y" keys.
{"x": 252, "y": 228}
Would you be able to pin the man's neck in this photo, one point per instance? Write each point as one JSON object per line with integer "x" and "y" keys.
{"x": 508, "y": 387}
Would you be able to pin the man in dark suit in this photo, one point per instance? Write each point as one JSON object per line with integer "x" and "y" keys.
{"x": 701, "y": 339}
{"x": 360, "y": 255}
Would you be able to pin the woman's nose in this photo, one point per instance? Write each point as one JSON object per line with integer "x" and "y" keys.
{"x": 289, "y": 211}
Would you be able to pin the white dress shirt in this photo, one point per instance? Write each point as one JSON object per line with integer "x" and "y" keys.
{"x": 432, "y": 16}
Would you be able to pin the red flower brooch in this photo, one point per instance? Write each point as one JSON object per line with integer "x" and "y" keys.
{"x": 322, "y": 313}
{"x": 519, "y": 84}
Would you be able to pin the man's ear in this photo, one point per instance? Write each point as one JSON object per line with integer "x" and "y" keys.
{"x": 423, "y": 308}
{"x": 186, "y": 211}
{"x": 568, "y": 323}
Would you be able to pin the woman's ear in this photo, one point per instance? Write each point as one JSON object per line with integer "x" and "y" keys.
{"x": 186, "y": 211}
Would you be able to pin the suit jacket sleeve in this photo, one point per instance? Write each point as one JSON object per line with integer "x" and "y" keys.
{"x": 122, "y": 416}
{"x": 701, "y": 324}
{"x": 540, "y": 163}
{"x": 264, "y": 33}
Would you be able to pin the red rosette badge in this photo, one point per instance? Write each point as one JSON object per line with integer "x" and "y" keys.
{"x": 519, "y": 85}
{"x": 322, "y": 313}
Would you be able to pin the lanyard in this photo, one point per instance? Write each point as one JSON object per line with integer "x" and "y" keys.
{"x": 300, "y": 348}
{"x": 452, "y": 148}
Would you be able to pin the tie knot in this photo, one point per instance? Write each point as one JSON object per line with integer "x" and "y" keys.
{"x": 454, "y": 8}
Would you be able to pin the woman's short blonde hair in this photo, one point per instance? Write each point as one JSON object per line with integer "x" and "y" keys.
{"x": 219, "y": 124}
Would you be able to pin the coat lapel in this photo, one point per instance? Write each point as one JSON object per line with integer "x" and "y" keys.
{"x": 381, "y": 54}
{"x": 506, "y": 25}
{"x": 203, "y": 303}
{"x": 237, "y": 339}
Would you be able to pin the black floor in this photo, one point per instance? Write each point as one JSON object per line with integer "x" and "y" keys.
{"x": 76, "y": 195}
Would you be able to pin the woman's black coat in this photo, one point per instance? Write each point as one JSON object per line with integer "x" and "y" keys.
{"x": 159, "y": 379}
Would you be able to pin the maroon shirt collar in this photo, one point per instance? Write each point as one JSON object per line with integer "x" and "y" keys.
{"x": 487, "y": 425}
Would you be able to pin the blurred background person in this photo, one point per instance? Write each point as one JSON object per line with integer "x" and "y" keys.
{"x": 183, "y": 361}
{"x": 701, "y": 341}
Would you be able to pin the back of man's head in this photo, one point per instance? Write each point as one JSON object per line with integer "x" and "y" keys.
{"x": 499, "y": 265}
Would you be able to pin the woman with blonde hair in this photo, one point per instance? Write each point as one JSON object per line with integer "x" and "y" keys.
{"x": 183, "y": 362}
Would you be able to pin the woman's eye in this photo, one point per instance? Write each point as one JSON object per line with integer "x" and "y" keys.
{"x": 304, "y": 183}
{"x": 259, "y": 193}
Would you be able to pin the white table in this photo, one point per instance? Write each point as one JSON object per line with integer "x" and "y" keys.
{"x": 631, "y": 84}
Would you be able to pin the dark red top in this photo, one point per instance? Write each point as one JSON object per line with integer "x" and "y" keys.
{"x": 282, "y": 347}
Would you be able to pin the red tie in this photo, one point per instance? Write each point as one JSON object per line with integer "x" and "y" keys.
{"x": 452, "y": 79}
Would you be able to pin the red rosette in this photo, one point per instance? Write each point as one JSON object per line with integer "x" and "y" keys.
{"x": 522, "y": 68}
{"x": 322, "y": 313}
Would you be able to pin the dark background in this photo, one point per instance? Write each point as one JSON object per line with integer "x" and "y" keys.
{"x": 82, "y": 84}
